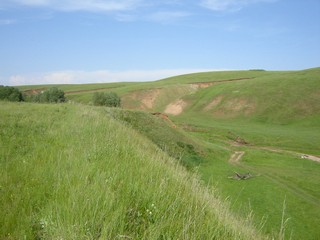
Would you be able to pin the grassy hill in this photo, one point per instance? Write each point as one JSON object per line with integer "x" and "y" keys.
{"x": 263, "y": 96}
{"x": 73, "y": 172}
{"x": 271, "y": 117}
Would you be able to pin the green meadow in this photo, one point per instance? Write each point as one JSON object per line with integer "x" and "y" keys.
{"x": 74, "y": 171}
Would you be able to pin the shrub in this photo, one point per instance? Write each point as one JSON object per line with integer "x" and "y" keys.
{"x": 10, "y": 93}
{"x": 52, "y": 95}
{"x": 109, "y": 99}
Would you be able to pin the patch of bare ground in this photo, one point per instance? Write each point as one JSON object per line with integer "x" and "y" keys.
{"x": 176, "y": 107}
{"x": 208, "y": 84}
{"x": 34, "y": 91}
{"x": 149, "y": 98}
{"x": 241, "y": 142}
{"x": 165, "y": 117}
{"x": 87, "y": 90}
{"x": 236, "y": 157}
{"x": 301, "y": 155}
{"x": 145, "y": 99}
{"x": 202, "y": 85}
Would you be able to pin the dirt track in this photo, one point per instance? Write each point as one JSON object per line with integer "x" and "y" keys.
{"x": 236, "y": 157}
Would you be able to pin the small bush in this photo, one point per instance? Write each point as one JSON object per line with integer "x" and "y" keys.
{"x": 109, "y": 99}
{"x": 52, "y": 95}
{"x": 11, "y": 94}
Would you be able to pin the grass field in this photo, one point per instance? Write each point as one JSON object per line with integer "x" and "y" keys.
{"x": 279, "y": 177}
{"x": 276, "y": 116}
{"x": 73, "y": 172}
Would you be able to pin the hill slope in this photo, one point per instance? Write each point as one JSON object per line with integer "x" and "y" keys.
{"x": 264, "y": 96}
{"x": 72, "y": 172}
{"x": 271, "y": 118}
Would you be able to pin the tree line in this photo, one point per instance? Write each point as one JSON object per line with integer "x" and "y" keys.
{"x": 56, "y": 95}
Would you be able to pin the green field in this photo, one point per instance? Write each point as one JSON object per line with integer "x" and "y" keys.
{"x": 271, "y": 118}
{"x": 73, "y": 172}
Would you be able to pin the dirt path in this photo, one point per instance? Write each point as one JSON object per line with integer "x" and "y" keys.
{"x": 301, "y": 155}
{"x": 236, "y": 157}
{"x": 279, "y": 150}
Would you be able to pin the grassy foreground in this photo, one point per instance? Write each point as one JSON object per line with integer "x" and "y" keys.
{"x": 71, "y": 172}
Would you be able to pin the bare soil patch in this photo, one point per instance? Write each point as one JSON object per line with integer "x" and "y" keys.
{"x": 87, "y": 90}
{"x": 236, "y": 157}
{"x": 149, "y": 97}
{"x": 142, "y": 99}
{"x": 208, "y": 84}
{"x": 176, "y": 107}
{"x": 34, "y": 91}
{"x": 165, "y": 117}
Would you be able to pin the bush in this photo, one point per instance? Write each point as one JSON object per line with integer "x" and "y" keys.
{"x": 109, "y": 99}
{"x": 11, "y": 94}
{"x": 52, "y": 95}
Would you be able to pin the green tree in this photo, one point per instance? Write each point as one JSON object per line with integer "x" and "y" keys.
{"x": 52, "y": 95}
{"x": 11, "y": 94}
{"x": 109, "y": 99}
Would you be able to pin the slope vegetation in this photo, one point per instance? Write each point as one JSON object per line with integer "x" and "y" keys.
{"x": 73, "y": 172}
{"x": 271, "y": 118}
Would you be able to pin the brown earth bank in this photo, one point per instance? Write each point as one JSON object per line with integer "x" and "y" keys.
{"x": 164, "y": 117}
{"x": 208, "y": 84}
{"x": 141, "y": 99}
{"x": 88, "y": 90}
{"x": 176, "y": 107}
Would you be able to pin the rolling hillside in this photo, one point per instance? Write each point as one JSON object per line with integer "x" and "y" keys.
{"x": 262, "y": 123}
{"x": 265, "y": 96}
{"x": 73, "y": 172}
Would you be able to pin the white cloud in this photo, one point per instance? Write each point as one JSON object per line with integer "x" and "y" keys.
{"x": 101, "y": 76}
{"x": 168, "y": 16}
{"x": 80, "y": 5}
{"x": 230, "y": 5}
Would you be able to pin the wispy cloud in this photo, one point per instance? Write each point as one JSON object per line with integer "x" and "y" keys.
{"x": 230, "y": 5}
{"x": 102, "y": 76}
{"x": 7, "y": 21}
{"x": 80, "y": 5}
{"x": 168, "y": 16}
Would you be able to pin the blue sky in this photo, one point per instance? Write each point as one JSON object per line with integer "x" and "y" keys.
{"x": 80, "y": 41}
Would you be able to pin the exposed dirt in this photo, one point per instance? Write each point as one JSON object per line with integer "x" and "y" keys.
{"x": 165, "y": 117}
{"x": 88, "y": 90}
{"x": 176, "y": 107}
{"x": 142, "y": 99}
{"x": 236, "y": 157}
{"x": 202, "y": 85}
{"x": 238, "y": 143}
{"x": 208, "y": 84}
{"x": 301, "y": 155}
{"x": 34, "y": 91}
{"x": 149, "y": 97}
{"x": 311, "y": 157}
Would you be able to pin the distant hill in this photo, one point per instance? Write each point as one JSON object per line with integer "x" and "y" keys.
{"x": 267, "y": 96}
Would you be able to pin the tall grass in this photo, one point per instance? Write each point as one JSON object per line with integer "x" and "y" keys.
{"x": 71, "y": 172}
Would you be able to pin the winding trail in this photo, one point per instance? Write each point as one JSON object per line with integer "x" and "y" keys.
{"x": 236, "y": 158}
